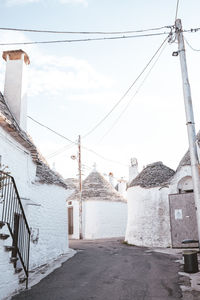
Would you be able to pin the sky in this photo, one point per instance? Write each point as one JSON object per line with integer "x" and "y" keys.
{"x": 72, "y": 86}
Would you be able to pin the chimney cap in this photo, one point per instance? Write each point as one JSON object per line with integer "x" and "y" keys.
{"x": 16, "y": 54}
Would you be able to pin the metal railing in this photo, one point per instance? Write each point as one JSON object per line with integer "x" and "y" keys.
{"x": 13, "y": 215}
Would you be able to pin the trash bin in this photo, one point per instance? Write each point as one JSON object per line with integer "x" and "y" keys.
{"x": 190, "y": 261}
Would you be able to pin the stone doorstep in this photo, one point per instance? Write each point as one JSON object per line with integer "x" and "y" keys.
{"x": 4, "y": 236}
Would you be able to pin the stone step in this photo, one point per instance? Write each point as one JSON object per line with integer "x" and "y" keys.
{"x": 13, "y": 259}
{"x": 18, "y": 270}
{"x": 22, "y": 279}
{"x": 4, "y": 236}
{"x": 9, "y": 248}
{"x": 1, "y": 224}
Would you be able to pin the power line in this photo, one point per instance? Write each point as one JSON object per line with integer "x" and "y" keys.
{"x": 191, "y": 46}
{"x": 82, "y": 32}
{"x": 102, "y": 157}
{"x": 127, "y": 91}
{"x": 84, "y": 40}
{"x": 64, "y": 137}
{"x": 59, "y": 151}
{"x": 192, "y": 30}
{"x": 128, "y": 104}
{"x": 86, "y": 166}
{"x": 55, "y": 132}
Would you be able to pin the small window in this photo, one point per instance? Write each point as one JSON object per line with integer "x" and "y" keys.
{"x": 185, "y": 185}
{"x": 189, "y": 191}
{"x": 70, "y": 203}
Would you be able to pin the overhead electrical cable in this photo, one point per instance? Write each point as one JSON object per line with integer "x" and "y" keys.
{"x": 127, "y": 91}
{"x": 85, "y": 40}
{"x": 140, "y": 86}
{"x": 191, "y": 46}
{"x": 192, "y": 30}
{"x": 55, "y": 132}
{"x": 102, "y": 157}
{"x": 76, "y": 143}
{"x": 59, "y": 151}
{"x": 82, "y": 32}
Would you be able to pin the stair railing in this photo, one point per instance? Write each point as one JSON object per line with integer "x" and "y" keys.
{"x": 13, "y": 215}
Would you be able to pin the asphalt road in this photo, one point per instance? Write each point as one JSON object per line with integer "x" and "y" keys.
{"x": 110, "y": 270}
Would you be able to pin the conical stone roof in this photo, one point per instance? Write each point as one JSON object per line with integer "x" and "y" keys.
{"x": 72, "y": 183}
{"x": 96, "y": 187}
{"x": 43, "y": 172}
{"x": 185, "y": 161}
{"x": 153, "y": 175}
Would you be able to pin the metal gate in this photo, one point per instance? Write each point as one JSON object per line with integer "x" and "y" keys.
{"x": 183, "y": 219}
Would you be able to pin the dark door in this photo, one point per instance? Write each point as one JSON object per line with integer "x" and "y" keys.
{"x": 70, "y": 220}
{"x": 183, "y": 219}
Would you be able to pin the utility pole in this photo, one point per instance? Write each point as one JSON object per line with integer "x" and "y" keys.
{"x": 189, "y": 121}
{"x": 80, "y": 189}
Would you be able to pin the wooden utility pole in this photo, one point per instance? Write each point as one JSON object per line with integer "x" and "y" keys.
{"x": 80, "y": 190}
{"x": 189, "y": 120}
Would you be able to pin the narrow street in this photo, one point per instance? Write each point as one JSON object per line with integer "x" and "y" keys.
{"x": 109, "y": 269}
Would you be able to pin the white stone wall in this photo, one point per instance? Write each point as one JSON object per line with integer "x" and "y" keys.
{"x": 148, "y": 217}
{"x": 104, "y": 219}
{"x": 45, "y": 208}
{"x": 8, "y": 279}
{"x": 47, "y": 217}
{"x": 101, "y": 219}
{"x": 182, "y": 172}
{"x": 20, "y": 164}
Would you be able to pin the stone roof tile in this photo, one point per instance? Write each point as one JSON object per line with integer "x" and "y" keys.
{"x": 153, "y": 175}
{"x": 185, "y": 161}
{"x": 43, "y": 171}
{"x": 96, "y": 187}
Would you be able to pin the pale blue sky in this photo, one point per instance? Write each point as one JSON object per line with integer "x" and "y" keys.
{"x": 72, "y": 86}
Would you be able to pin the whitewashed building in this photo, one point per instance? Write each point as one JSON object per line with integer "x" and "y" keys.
{"x": 148, "y": 207}
{"x": 104, "y": 210}
{"x": 32, "y": 196}
{"x": 182, "y": 205}
{"x": 182, "y": 180}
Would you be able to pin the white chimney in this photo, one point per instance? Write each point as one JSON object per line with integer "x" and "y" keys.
{"x": 94, "y": 167}
{"x": 15, "y": 87}
{"x": 133, "y": 169}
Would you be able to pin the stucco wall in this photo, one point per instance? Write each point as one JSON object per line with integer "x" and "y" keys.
{"x": 45, "y": 208}
{"x": 181, "y": 173}
{"x": 47, "y": 217}
{"x": 104, "y": 219}
{"x": 148, "y": 217}
{"x": 19, "y": 162}
{"x": 8, "y": 280}
{"x": 101, "y": 219}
